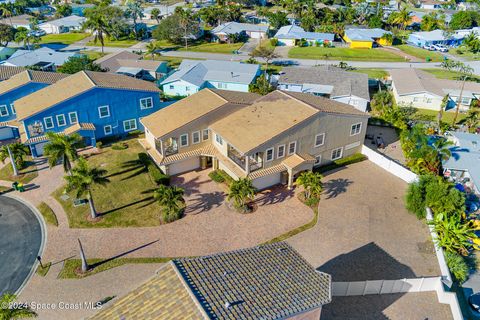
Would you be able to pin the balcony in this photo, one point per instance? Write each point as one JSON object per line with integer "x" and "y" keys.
{"x": 170, "y": 147}
{"x": 256, "y": 161}
{"x": 236, "y": 157}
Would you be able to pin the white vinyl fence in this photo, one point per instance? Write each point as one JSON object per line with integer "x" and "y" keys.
{"x": 389, "y": 165}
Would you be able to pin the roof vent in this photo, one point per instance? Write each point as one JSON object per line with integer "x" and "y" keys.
{"x": 231, "y": 73}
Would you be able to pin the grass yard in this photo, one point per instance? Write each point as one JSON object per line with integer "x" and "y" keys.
{"x": 48, "y": 214}
{"x": 450, "y": 75}
{"x": 432, "y": 115}
{"x": 213, "y": 47}
{"x": 344, "y": 54}
{"x": 464, "y": 53}
{"x": 373, "y": 73}
{"x": 26, "y": 175}
{"x": 421, "y": 53}
{"x": 43, "y": 271}
{"x": 69, "y": 267}
{"x": 125, "y": 202}
{"x": 65, "y": 38}
{"x": 114, "y": 43}
{"x": 94, "y": 55}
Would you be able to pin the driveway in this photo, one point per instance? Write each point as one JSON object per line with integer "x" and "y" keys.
{"x": 249, "y": 46}
{"x": 20, "y": 243}
{"x": 364, "y": 231}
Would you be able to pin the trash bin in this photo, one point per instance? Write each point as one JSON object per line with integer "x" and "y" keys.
{"x": 20, "y": 187}
{"x": 427, "y": 59}
{"x": 15, "y": 185}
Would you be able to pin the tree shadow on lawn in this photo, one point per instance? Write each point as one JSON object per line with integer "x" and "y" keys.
{"x": 274, "y": 195}
{"x": 335, "y": 187}
{"x": 150, "y": 199}
{"x": 204, "y": 202}
{"x": 130, "y": 166}
{"x": 122, "y": 254}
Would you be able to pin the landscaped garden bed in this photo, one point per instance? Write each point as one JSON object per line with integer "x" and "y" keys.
{"x": 26, "y": 174}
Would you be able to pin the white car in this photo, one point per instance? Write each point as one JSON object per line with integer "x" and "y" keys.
{"x": 429, "y": 47}
{"x": 440, "y": 47}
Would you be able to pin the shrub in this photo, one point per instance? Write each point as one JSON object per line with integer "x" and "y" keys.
{"x": 228, "y": 180}
{"x": 457, "y": 265}
{"x": 109, "y": 139}
{"x": 216, "y": 176}
{"x": 354, "y": 158}
{"x": 274, "y": 42}
{"x": 99, "y": 144}
{"x": 416, "y": 195}
{"x": 158, "y": 176}
{"x": 119, "y": 146}
{"x": 168, "y": 217}
{"x": 134, "y": 133}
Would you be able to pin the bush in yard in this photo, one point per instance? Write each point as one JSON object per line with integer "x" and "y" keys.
{"x": 241, "y": 191}
{"x": 158, "y": 176}
{"x": 119, "y": 146}
{"x": 172, "y": 202}
{"x": 453, "y": 235}
{"x": 312, "y": 183}
{"x": 458, "y": 266}
{"x": 99, "y": 145}
{"x": 216, "y": 176}
{"x": 416, "y": 194}
{"x": 274, "y": 42}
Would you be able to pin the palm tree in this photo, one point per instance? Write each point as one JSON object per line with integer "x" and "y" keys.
{"x": 155, "y": 14}
{"x": 453, "y": 235}
{"x": 472, "y": 120}
{"x": 401, "y": 17}
{"x": 9, "y": 310}
{"x": 186, "y": 20}
{"x": 171, "y": 200}
{"x": 442, "y": 148}
{"x": 83, "y": 178}
{"x": 134, "y": 10}
{"x": 62, "y": 148}
{"x": 7, "y": 11}
{"x": 17, "y": 153}
{"x": 152, "y": 48}
{"x": 98, "y": 25}
{"x": 24, "y": 35}
{"x": 311, "y": 182}
{"x": 465, "y": 72}
{"x": 241, "y": 191}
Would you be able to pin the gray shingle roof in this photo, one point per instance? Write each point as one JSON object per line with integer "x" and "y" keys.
{"x": 266, "y": 282}
{"x": 365, "y": 34}
{"x": 70, "y": 21}
{"x": 295, "y": 32}
{"x": 197, "y": 72}
{"x": 344, "y": 83}
{"x": 236, "y": 27}
{"x": 23, "y": 58}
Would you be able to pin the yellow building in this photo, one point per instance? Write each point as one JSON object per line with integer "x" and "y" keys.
{"x": 366, "y": 38}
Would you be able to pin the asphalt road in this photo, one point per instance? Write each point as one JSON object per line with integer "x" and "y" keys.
{"x": 20, "y": 243}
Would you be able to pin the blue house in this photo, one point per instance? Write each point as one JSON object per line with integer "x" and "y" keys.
{"x": 17, "y": 87}
{"x": 428, "y": 38}
{"x": 194, "y": 75}
{"x": 94, "y": 104}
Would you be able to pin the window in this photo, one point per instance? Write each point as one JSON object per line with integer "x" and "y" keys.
{"x": 319, "y": 139}
{"x": 269, "y": 155}
{"x": 73, "y": 117}
{"x": 205, "y": 134}
{"x": 465, "y": 100}
{"x": 356, "y": 128}
{"x": 129, "y": 125}
{"x": 281, "y": 151}
{"x": 103, "y": 111}
{"x": 337, "y": 153}
{"x": 196, "y": 137}
{"x": 146, "y": 103}
{"x": 61, "y": 120}
{"x": 428, "y": 100}
{"x": 219, "y": 139}
{"x": 3, "y": 111}
{"x": 187, "y": 88}
{"x": 107, "y": 130}
{"x": 416, "y": 99}
{"x": 171, "y": 87}
{"x": 292, "y": 147}
{"x": 221, "y": 86}
{"x": 184, "y": 140}
{"x": 48, "y": 122}
{"x": 318, "y": 160}
{"x": 13, "y": 109}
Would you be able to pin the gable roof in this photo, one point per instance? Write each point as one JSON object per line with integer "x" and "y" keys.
{"x": 435, "y": 35}
{"x": 272, "y": 115}
{"x": 110, "y": 61}
{"x": 70, "y": 21}
{"x": 296, "y": 32}
{"x": 191, "y": 108}
{"x": 23, "y": 58}
{"x": 411, "y": 80}
{"x": 266, "y": 282}
{"x": 342, "y": 83}
{"x": 197, "y": 72}
{"x": 74, "y": 85}
{"x": 23, "y": 19}
{"x": 236, "y": 27}
{"x": 359, "y": 34}
{"x": 149, "y": 65}
{"x": 27, "y": 76}
{"x": 7, "y": 72}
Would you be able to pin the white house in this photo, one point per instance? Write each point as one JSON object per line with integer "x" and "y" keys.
{"x": 63, "y": 25}
{"x": 45, "y": 59}
{"x": 289, "y": 35}
{"x": 255, "y": 31}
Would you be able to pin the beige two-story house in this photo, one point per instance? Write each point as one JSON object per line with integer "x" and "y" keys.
{"x": 268, "y": 139}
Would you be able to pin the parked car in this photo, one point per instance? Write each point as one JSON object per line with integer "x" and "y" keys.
{"x": 37, "y": 33}
{"x": 474, "y": 302}
{"x": 440, "y": 47}
{"x": 429, "y": 47}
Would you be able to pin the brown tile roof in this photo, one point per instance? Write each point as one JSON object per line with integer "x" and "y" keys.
{"x": 27, "y": 76}
{"x": 295, "y": 160}
{"x": 74, "y": 85}
{"x": 79, "y": 127}
{"x": 9, "y": 71}
{"x": 267, "y": 171}
{"x": 110, "y": 61}
{"x": 12, "y": 123}
{"x": 164, "y": 297}
{"x": 272, "y": 115}
{"x": 191, "y": 108}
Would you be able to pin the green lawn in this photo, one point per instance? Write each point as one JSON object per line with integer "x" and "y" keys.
{"x": 125, "y": 202}
{"x": 43, "y": 271}
{"x": 432, "y": 115}
{"x": 27, "y": 174}
{"x": 373, "y": 73}
{"x": 421, "y": 53}
{"x": 114, "y": 43}
{"x": 344, "y": 54}
{"x": 69, "y": 267}
{"x": 451, "y": 75}
{"x": 48, "y": 214}
{"x": 464, "y": 53}
{"x": 213, "y": 47}
{"x": 94, "y": 55}
{"x": 65, "y": 38}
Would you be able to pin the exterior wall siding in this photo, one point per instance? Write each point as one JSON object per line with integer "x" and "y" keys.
{"x": 179, "y": 88}
{"x": 9, "y": 98}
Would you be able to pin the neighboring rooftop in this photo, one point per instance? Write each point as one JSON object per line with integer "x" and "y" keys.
{"x": 7, "y": 72}
{"x": 436, "y": 35}
{"x": 27, "y": 76}
{"x": 23, "y": 19}
{"x": 193, "y": 107}
{"x": 236, "y": 27}
{"x": 38, "y": 57}
{"x": 110, "y": 61}
{"x": 265, "y": 282}
{"x": 70, "y": 21}
{"x": 296, "y": 32}
{"x": 272, "y": 115}
{"x": 339, "y": 83}
{"x": 411, "y": 80}
{"x": 359, "y": 34}
{"x": 74, "y": 85}
{"x": 198, "y": 72}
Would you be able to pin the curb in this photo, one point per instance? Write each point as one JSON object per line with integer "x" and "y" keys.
{"x": 43, "y": 228}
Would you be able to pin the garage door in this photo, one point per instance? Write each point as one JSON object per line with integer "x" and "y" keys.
{"x": 39, "y": 148}
{"x": 256, "y": 35}
{"x": 6, "y": 133}
{"x": 267, "y": 181}
{"x": 184, "y": 166}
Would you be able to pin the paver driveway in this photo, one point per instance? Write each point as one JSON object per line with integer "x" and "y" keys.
{"x": 364, "y": 231}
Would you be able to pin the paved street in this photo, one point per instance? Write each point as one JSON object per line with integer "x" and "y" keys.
{"x": 21, "y": 241}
